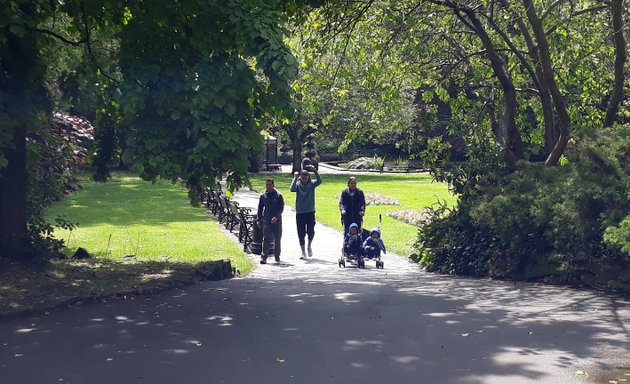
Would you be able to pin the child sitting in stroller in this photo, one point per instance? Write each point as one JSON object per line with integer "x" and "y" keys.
{"x": 373, "y": 245}
{"x": 353, "y": 242}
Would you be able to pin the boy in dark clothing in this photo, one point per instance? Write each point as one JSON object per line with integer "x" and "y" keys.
{"x": 270, "y": 207}
{"x": 373, "y": 245}
{"x": 353, "y": 242}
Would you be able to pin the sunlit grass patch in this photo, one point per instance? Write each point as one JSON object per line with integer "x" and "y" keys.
{"x": 142, "y": 237}
{"x": 128, "y": 217}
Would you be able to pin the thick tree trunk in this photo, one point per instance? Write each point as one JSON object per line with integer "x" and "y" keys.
{"x": 293, "y": 133}
{"x": 13, "y": 233}
{"x": 296, "y": 140}
{"x": 297, "y": 156}
{"x": 23, "y": 81}
{"x": 620, "y": 60}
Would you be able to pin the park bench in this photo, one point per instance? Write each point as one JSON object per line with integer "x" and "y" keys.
{"x": 273, "y": 167}
{"x": 233, "y": 216}
{"x": 403, "y": 166}
{"x": 210, "y": 199}
{"x": 247, "y": 221}
{"x": 223, "y": 210}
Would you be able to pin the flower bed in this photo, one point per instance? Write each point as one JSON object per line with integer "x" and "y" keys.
{"x": 378, "y": 199}
{"x": 372, "y": 198}
{"x": 416, "y": 218}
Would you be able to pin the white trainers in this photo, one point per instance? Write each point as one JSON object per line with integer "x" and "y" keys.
{"x": 310, "y": 252}
{"x": 303, "y": 257}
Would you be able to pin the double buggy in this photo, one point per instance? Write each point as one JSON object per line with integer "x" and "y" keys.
{"x": 361, "y": 247}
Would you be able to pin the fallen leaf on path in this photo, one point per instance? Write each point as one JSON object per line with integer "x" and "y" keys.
{"x": 581, "y": 373}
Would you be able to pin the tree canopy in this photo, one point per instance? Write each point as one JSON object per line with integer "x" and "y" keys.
{"x": 183, "y": 89}
{"x": 533, "y": 73}
{"x": 183, "y": 83}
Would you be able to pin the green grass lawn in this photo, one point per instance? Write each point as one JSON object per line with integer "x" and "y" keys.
{"x": 413, "y": 191}
{"x": 143, "y": 238}
{"x": 153, "y": 222}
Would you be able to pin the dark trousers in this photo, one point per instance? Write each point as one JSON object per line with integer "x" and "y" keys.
{"x": 272, "y": 235}
{"x": 305, "y": 226}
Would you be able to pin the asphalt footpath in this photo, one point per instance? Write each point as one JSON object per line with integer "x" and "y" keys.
{"x": 312, "y": 322}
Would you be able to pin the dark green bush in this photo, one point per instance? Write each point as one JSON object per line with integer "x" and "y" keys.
{"x": 451, "y": 244}
{"x": 565, "y": 224}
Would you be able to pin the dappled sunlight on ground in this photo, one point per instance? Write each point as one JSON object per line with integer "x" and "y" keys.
{"x": 311, "y": 322}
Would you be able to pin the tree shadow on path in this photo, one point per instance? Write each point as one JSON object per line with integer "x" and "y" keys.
{"x": 394, "y": 328}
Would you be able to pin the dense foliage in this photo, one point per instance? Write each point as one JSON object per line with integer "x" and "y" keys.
{"x": 200, "y": 84}
{"x": 178, "y": 88}
{"x": 562, "y": 224}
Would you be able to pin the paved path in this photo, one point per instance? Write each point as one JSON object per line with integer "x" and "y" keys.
{"x": 310, "y": 322}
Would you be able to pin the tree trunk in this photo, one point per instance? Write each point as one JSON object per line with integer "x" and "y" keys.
{"x": 13, "y": 231}
{"x": 24, "y": 81}
{"x": 549, "y": 82}
{"x": 620, "y": 60}
{"x": 513, "y": 150}
{"x": 297, "y": 156}
{"x": 551, "y": 132}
